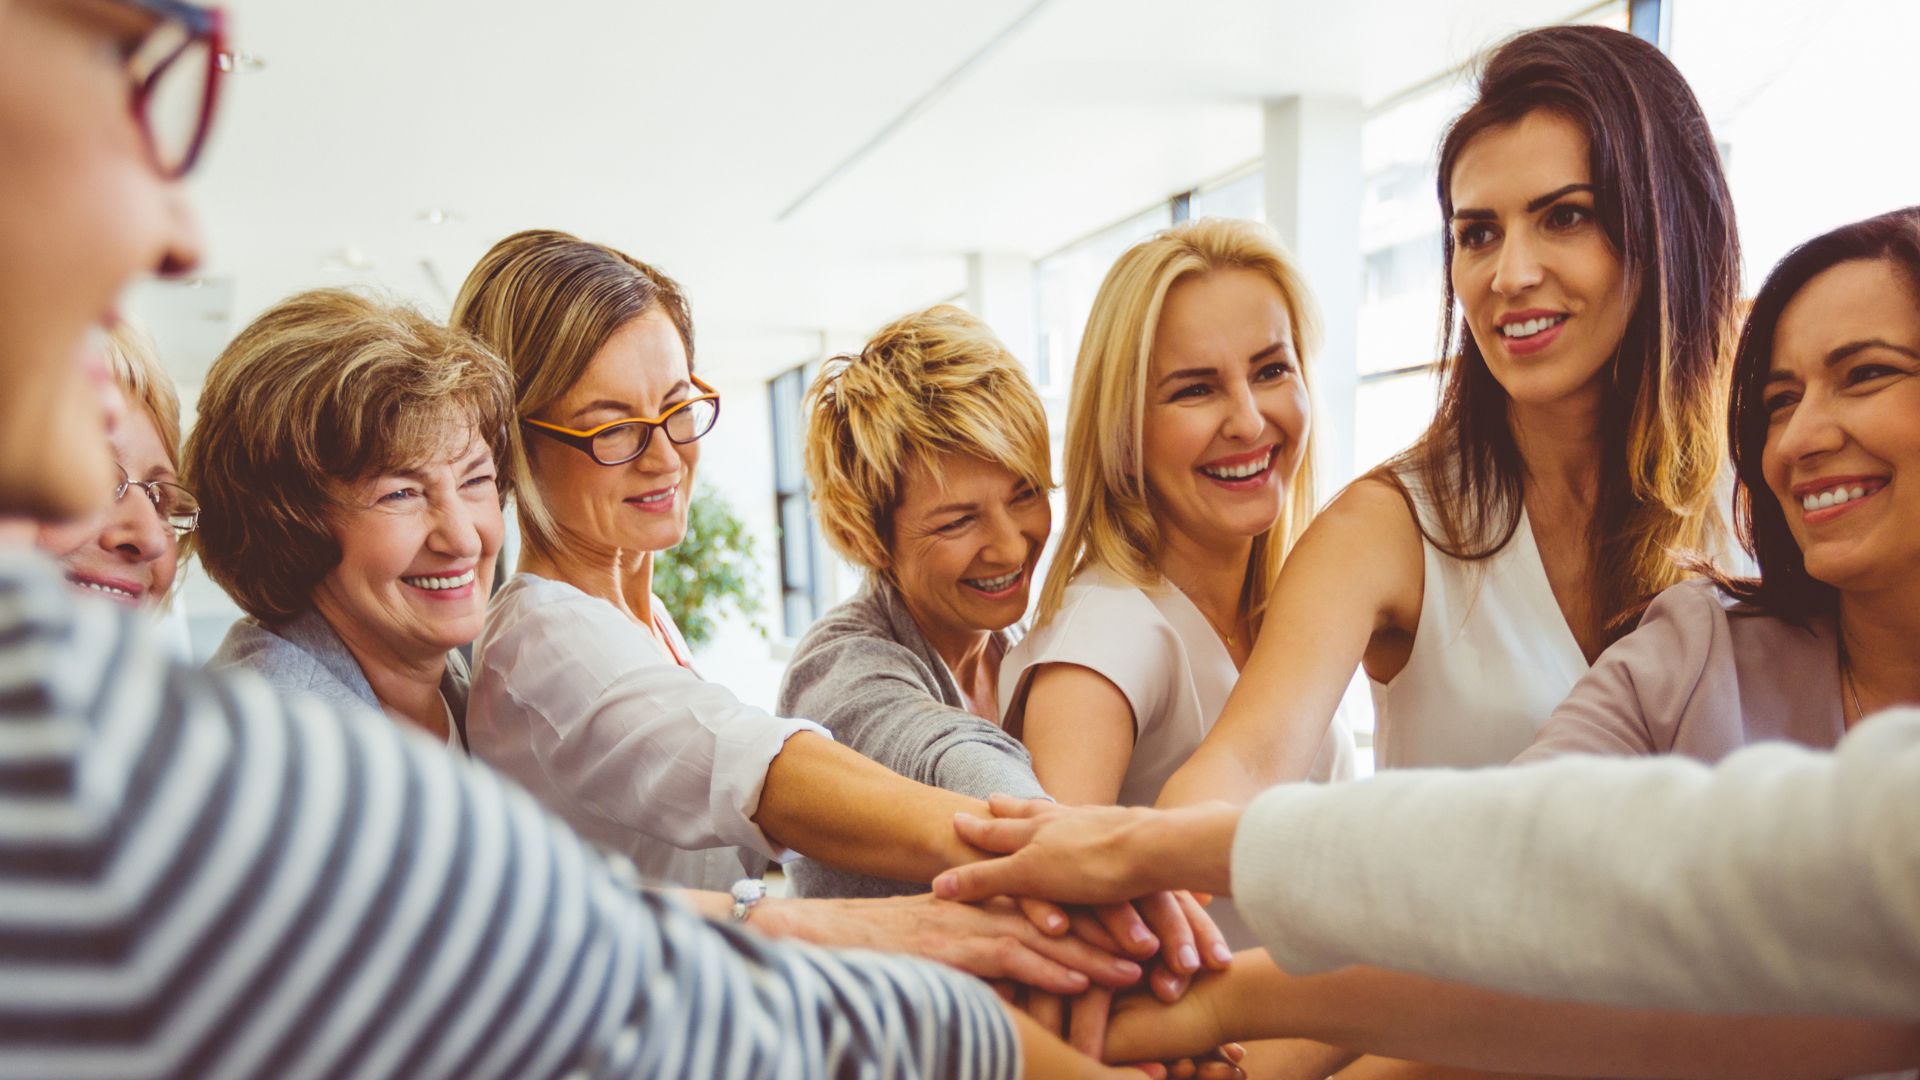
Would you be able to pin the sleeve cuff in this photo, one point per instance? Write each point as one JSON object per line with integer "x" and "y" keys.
{"x": 736, "y": 791}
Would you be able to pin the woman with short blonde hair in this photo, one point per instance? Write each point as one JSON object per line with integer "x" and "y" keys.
{"x": 931, "y": 384}
{"x": 1189, "y": 448}
{"x": 346, "y": 456}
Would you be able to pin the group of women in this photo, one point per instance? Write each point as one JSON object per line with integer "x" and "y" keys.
{"x": 1549, "y": 569}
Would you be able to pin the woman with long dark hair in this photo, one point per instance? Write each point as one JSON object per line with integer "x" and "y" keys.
{"x": 1592, "y": 257}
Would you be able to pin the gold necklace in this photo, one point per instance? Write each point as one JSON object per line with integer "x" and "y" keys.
{"x": 1225, "y": 635}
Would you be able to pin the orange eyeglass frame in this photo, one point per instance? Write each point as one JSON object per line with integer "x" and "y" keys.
{"x": 583, "y": 440}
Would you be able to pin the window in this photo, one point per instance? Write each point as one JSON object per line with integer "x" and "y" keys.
{"x": 806, "y": 571}
{"x": 1235, "y": 196}
{"x": 1806, "y": 101}
{"x": 1067, "y": 281}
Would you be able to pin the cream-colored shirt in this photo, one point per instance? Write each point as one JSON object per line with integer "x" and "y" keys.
{"x": 1782, "y": 879}
{"x": 639, "y": 754}
{"x": 1160, "y": 652}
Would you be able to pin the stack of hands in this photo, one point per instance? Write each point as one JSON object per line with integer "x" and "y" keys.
{"x": 1072, "y": 926}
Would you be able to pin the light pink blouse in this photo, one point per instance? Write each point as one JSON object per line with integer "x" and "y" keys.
{"x": 1703, "y": 675}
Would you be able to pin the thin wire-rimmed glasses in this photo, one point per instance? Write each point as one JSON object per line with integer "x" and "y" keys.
{"x": 176, "y": 505}
{"x": 176, "y": 80}
{"x": 617, "y": 442}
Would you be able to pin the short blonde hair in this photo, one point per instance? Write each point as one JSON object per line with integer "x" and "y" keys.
{"x": 135, "y": 366}
{"x": 1110, "y": 519}
{"x": 546, "y": 301}
{"x": 325, "y": 388}
{"x": 936, "y": 381}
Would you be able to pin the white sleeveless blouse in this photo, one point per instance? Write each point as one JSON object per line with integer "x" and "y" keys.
{"x": 1492, "y": 656}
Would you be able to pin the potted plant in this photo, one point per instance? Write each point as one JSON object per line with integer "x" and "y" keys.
{"x": 711, "y": 570}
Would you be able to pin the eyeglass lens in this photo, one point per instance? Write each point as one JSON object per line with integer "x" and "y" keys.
{"x": 174, "y": 66}
{"x": 625, "y": 442}
{"x": 175, "y": 504}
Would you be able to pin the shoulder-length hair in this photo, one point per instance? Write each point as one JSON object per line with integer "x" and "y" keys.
{"x": 1662, "y": 199}
{"x": 1110, "y": 517}
{"x": 1784, "y": 587}
{"x": 546, "y": 301}
{"x": 324, "y": 388}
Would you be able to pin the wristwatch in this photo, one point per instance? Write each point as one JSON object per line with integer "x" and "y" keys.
{"x": 746, "y": 893}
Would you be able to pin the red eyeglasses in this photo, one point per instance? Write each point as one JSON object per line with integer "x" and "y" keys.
{"x": 176, "y": 80}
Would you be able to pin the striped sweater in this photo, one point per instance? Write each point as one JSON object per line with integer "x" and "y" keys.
{"x": 201, "y": 879}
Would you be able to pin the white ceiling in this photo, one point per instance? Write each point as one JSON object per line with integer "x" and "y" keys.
{"x": 679, "y": 132}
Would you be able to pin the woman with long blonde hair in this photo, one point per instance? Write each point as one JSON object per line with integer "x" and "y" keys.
{"x": 1188, "y": 461}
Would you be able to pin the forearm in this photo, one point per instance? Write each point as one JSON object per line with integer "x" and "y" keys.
{"x": 1213, "y": 772}
{"x": 829, "y": 803}
{"x": 1447, "y": 1024}
{"x": 1785, "y": 885}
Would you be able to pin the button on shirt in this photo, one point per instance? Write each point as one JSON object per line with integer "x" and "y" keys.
{"x": 577, "y": 702}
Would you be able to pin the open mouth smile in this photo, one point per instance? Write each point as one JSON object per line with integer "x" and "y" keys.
{"x": 997, "y": 588}
{"x": 1241, "y": 470}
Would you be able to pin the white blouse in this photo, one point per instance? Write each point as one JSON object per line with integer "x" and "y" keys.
{"x": 577, "y": 703}
{"x": 1492, "y": 657}
{"x": 1160, "y": 652}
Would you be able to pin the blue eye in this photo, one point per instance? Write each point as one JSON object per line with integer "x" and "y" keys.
{"x": 485, "y": 480}
{"x": 399, "y": 495}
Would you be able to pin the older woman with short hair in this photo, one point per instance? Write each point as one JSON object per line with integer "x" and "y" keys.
{"x": 927, "y": 456}
{"x": 345, "y": 454}
{"x": 130, "y": 553}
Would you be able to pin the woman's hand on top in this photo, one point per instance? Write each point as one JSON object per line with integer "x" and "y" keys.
{"x": 1092, "y": 854}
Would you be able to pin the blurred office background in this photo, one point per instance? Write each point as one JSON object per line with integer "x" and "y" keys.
{"x": 810, "y": 171}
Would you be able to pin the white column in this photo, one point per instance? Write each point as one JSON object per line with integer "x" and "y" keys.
{"x": 1000, "y": 289}
{"x": 1313, "y": 174}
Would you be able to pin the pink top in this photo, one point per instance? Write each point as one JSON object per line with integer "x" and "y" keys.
{"x": 1703, "y": 675}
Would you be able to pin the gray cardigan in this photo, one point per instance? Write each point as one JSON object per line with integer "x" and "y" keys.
{"x": 305, "y": 656}
{"x": 867, "y": 674}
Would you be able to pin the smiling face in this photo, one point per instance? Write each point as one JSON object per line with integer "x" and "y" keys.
{"x": 127, "y": 554}
{"x": 1226, "y": 416}
{"x": 640, "y": 506}
{"x": 1545, "y": 293}
{"x": 964, "y": 545}
{"x": 1842, "y": 451}
{"x": 82, "y": 212}
{"x": 417, "y": 548}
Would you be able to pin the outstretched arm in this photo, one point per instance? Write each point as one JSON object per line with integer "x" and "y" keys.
{"x": 327, "y": 893}
{"x": 1348, "y": 587}
{"x": 1456, "y": 1026}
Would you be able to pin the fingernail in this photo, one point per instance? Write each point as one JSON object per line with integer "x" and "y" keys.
{"x": 1189, "y": 959}
{"x": 1142, "y": 936}
{"x": 1222, "y": 954}
{"x": 1126, "y": 969}
{"x": 944, "y": 887}
{"x": 1056, "y": 923}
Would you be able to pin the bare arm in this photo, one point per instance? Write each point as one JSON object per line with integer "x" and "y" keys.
{"x": 1079, "y": 728}
{"x": 829, "y": 803}
{"x": 1410, "y": 1016}
{"x": 1352, "y": 582}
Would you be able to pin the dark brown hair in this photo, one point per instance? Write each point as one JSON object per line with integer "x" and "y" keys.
{"x": 1784, "y": 587}
{"x": 324, "y": 388}
{"x": 1662, "y": 200}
